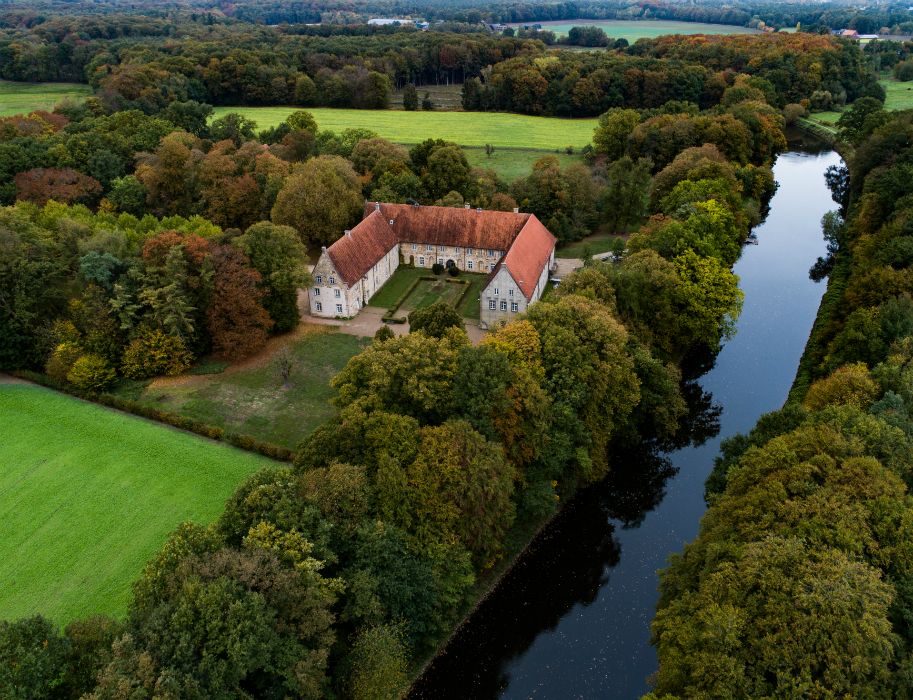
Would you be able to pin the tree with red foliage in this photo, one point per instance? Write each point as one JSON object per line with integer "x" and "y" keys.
{"x": 155, "y": 249}
{"x": 39, "y": 185}
{"x": 236, "y": 319}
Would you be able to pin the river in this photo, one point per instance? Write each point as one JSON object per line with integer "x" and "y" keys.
{"x": 572, "y": 619}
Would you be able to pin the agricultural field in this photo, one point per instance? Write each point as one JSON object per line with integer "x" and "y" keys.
{"x": 252, "y": 398}
{"x": 465, "y": 128}
{"x": 22, "y": 98}
{"x": 632, "y": 30}
{"x": 88, "y": 495}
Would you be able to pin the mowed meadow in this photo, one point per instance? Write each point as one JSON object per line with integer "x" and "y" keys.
{"x": 88, "y": 495}
{"x": 632, "y": 30}
{"x": 22, "y": 98}
{"x": 465, "y": 128}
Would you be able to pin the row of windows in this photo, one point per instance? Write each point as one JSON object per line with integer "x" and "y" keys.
{"x": 510, "y": 292}
{"x": 338, "y": 307}
{"x": 469, "y": 251}
{"x": 330, "y": 280}
{"x": 336, "y": 292}
{"x": 469, "y": 263}
{"x": 493, "y": 305}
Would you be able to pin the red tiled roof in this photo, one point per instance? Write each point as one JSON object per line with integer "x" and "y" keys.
{"x": 357, "y": 252}
{"x": 450, "y": 226}
{"x": 529, "y": 254}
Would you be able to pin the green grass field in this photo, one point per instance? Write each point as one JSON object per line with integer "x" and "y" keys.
{"x": 88, "y": 495}
{"x": 899, "y": 95}
{"x": 253, "y": 400}
{"x": 464, "y": 128}
{"x": 22, "y": 98}
{"x": 596, "y": 244}
{"x": 632, "y": 30}
{"x": 512, "y": 163}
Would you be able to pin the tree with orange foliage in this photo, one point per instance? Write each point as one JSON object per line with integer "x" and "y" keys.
{"x": 66, "y": 185}
{"x": 236, "y": 319}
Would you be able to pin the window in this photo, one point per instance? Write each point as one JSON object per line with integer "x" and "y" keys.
{"x": 497, "y": 291}
{"x": 491, "y": 253}
{"x": 414, "y": 247}
{"x": 319, "y": 279}
{"x": 440, "y": 249}
{"x": 491, "y": 304}
{"x": 469, "y": 251}
{"x": 514, "y": 306}
{"x": 337, "y": 293}
{"x": 428, "y": 246}
{"x": 319, "y": 306}
{"x": 503, "y": 306}
{"x": 440, "y": 261}
{"x": 469, "y": 265}
{"x": 510, "y": 292}
{"x": 339, "y": 308}
{"x": 332, "y": 280}
{"x": 421, "y": 261}
{"x": 317, "y": 292}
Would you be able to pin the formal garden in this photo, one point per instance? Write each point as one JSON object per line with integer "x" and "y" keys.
{"x": 412, "y": 288}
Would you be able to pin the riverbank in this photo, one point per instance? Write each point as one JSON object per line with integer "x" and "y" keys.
{"x": 571, "y": 617}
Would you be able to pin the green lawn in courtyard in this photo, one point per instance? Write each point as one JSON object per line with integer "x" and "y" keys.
{"x": 88, "y": 495}
{"x": 427, "y": 292}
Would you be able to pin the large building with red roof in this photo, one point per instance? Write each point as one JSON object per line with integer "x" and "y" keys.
{"x": 515, "y": 250}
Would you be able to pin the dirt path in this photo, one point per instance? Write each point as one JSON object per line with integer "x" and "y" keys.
{"x": 9, "y": 379}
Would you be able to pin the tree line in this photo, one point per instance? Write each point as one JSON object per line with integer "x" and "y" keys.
{"x": 799, "y": 582}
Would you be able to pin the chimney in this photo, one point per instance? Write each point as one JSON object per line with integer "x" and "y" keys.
{"x": 466, "y": 206}
{"x": 516, "y": 210}
{"x": 323, "y": 249}
{"x": 376, "y": 206}
{"x": 348, "y": 232}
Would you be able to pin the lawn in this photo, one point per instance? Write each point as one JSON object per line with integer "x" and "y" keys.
{"x": 632, "y": 30}
{"x": 465, "y": 128}
{"x": 511, "y": 163}
{"x": 595, "y": 244}
{"x": 88, "y": 495}
{"x": 22, "y": 98}
{"x": 427, "y": 292}
{"x": 899, "y": 95}
{"x": 252, "y": 398}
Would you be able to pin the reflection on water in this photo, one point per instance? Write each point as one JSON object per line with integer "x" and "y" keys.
{"x": 572, "y": 619}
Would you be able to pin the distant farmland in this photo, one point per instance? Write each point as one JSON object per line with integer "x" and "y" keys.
{"x": 88, "y": 495}
{"x": 632, "y": 30}
{"x": 22, "y": 98}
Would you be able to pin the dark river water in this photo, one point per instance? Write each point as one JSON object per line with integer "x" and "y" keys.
{"x": 572, "y": 619}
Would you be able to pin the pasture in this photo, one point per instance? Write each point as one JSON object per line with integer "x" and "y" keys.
{"x": 88, "y": 495}
{"x": 899, "y": 95}
{"x": 22, "y": 98}
{"x": 465, "y": 128}
{"x": 252, "y": 398}
{"x": 632, "y": 30}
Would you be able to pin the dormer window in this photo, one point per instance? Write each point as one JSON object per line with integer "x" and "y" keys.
{"x": 319, "y": 279}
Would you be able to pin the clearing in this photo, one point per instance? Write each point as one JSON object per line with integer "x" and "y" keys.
{"x": 465, "y": 128}
{"x": 899, "y": 95}
{"x": 632, "y": 30}
{"x": 251, "y": 398}
{"x": 88, "y": 495}
{"x": 22, "y": 98}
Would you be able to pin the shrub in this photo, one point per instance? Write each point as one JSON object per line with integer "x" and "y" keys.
{"x": 91, "y": 373}
{"x": 61, "y": 360}
{"x": 154, "y": 353}
{"x": 453, "y": 271}
{"x": 437, "y": 268}
{"x": 383, "y": 333}
{"x": 903, "y": 71}
{"x": 793, "y": 112}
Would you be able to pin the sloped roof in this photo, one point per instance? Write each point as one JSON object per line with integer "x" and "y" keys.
{"x": 451, "y": 226}
{"x": 357, "y": 252}
{"x": 529, "y": 254}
